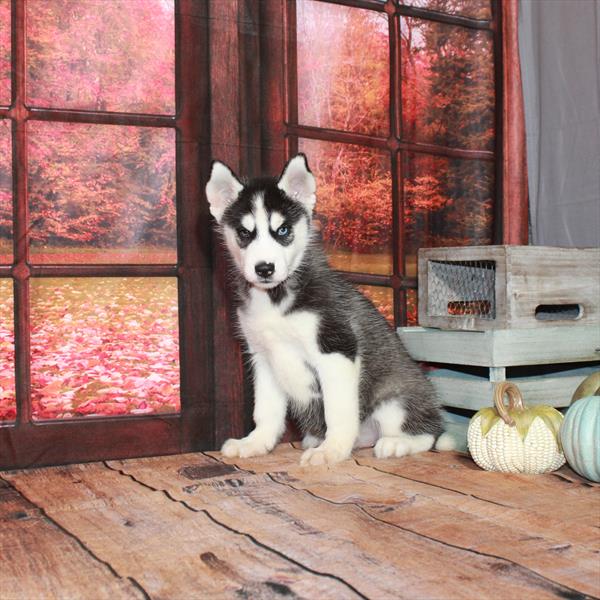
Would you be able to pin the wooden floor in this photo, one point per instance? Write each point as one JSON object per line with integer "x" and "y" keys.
{"x": 432, "y": 526}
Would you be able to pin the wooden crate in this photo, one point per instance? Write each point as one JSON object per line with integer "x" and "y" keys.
{"x": 504, "y": 287}
{"x": 540, "y": 361}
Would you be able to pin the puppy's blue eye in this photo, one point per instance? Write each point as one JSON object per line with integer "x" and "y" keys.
{"x": 283, "y": 231}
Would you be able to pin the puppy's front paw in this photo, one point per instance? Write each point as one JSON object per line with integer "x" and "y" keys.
{"x": 325, "y": 454}
{"x": 245, "y": 447}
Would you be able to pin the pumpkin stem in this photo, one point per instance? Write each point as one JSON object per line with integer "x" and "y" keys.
{"x": 515, "y": 400}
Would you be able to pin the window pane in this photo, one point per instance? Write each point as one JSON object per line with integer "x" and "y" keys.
{"x": 5, "y": 81}
{"x": 6, "y": 209}
{"x": 343, "y": 67}
{"x": 104, "y": 346}
{"x": 101, "y": 194}
{"x": 447, "y": 202}
{"x": 447, "y": 85}
{"x": 115, "y": 55}
{"x": 354, "y": 205}
{"x": 476, "y": 9}
{"x": 8, "y": 406}
{"x": 382, "y": 298}
{"x": 412, "y": 304}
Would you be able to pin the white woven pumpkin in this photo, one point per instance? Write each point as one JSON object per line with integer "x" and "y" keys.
{"x": 515, "y": 439}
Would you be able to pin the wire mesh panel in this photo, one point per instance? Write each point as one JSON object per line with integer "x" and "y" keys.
{"x": 460, "y": 288}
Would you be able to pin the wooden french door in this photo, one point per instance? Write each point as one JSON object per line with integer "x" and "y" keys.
{"x": 105, "y": 264}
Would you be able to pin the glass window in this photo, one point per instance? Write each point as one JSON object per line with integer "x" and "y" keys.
{"x": 115, "y": 56}
{"x": 8, "y": 407}
{"x": 412, "y": 308}
{"x": 343, "y": 68}
{"x": 103, "y": 329}
{"x": 447, "y": 84}
{"x": 104, "y": 346}
{"x": 101, "y": 194}
{"x": 448, "y": 202}
{"x": 399, "y": 131}
{"x": 354, "y": 207}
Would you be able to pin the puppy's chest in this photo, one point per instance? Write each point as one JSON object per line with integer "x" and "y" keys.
{"x": 267, "y": 327}
{"x": 288, "y": 342}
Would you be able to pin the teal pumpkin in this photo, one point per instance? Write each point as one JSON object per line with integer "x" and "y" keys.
{"x": 580, "y": 437}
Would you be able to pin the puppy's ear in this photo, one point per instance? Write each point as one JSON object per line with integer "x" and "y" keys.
{"x": 222, "y": 189}
{"x": 298, "y": 182}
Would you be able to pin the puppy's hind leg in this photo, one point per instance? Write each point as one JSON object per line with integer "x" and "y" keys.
{"x": 310, "y": 441}
{"x": 270, "y": 404}
{"x": 390, "y": 417}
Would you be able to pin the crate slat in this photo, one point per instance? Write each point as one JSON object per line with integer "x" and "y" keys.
{"x": 461, "y": 390}
{"x": 503, "y": 348}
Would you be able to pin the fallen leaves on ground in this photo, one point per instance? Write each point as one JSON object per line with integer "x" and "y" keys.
{"x": 99, "y": 347}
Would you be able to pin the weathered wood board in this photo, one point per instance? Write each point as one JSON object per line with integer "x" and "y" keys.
{"x": 462, "y": 390}
{"x": 503, "y": 347}
{"x": 407, "y": 553}
{"x": 171, "y": 549}
{"x": 38, "y": 559}
{"x": 199, "y": 526}
{"x": 523, "y": 537}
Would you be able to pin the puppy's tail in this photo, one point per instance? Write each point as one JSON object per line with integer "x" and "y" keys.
{"x": 445, "y": 442}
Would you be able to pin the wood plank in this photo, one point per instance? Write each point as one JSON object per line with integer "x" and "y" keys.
{"x": 570, "y": 502}
{"x": 360, "y": 548}
{"x": 573, "y": 343}
{"x": 549, "y": 275}
{"x": 463, "y": 390}
{"x": 526, "y": 538}
{"x": 40, "y": 560}
{"x": 503, "y": 347}
{"x": 173, "y": 550}
{"x": 225, "y": 145}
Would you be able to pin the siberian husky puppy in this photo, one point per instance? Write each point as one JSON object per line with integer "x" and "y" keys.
{"x": 319, "y": 349}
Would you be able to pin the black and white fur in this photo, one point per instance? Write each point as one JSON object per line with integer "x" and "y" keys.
{"x": 319, "y": 349}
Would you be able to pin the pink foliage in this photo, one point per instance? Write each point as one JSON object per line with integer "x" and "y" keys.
{"x": 104, "y": 347}
{"x": 115, "y": 55}
{"x": 5, "y": 52}
{"x": 7, "y": 352}
{"x": 98, "y": 347}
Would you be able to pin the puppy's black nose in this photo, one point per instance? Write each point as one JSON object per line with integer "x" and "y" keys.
{"x": 264, "y": 269}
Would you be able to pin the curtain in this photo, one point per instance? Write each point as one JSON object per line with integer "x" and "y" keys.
{"x": 514, "y": 164}
{"x": 560, "y": 61}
